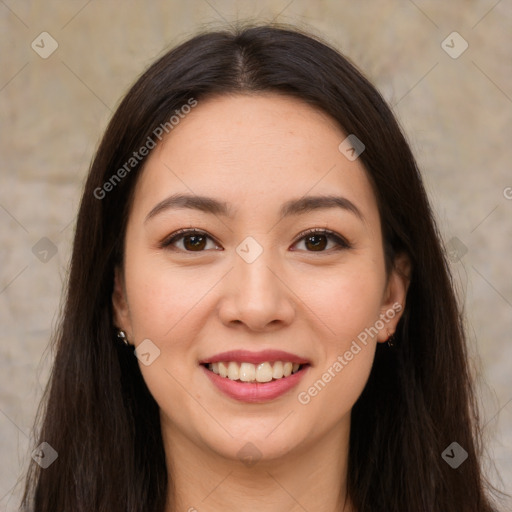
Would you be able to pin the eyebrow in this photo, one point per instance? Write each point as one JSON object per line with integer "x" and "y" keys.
{"x": 292, "y": 207}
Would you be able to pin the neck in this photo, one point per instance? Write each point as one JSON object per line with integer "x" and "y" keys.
{"x": 312, "y": 477}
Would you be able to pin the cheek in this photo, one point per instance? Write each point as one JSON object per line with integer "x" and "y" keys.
{"x": 334, "y": 388}
{"x": 165, "y": 305}
{"x": 163, "y": 297}
{"x": 346, "y": 299}
{"x": 346, "y": 304}
{"x": 337, "y": 302}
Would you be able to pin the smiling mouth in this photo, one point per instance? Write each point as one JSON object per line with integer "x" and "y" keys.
{"x": 254, "y": 373}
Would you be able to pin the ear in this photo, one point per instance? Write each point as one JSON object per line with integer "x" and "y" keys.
{"x": 120, "y": 304}
{"x": 393, "y": 304}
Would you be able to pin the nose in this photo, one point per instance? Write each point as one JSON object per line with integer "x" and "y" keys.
{"x": 256, "y": 295}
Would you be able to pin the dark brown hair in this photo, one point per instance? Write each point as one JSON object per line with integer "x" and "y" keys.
{"x": 97, "y": 411}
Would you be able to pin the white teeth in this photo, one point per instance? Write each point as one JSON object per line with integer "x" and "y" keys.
{"x": 233, "y": 371}
{"x": 277, "y": 371}
{"x": 264, "y": 372}
{"x": 223, "y": 369}
{"x": 248, "y": 372}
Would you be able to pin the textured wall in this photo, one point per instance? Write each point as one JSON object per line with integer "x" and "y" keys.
{"x": 455, "y": 108}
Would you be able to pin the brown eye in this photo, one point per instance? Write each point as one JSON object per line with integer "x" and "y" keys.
{"x": 196, "y": 242}
{"x": 193, "y": 240}
{"x": 316, "y": 240}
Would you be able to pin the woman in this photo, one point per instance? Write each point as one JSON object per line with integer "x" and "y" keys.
{"x": 259, "y": 314}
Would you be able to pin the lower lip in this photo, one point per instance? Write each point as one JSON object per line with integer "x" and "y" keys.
{"x": 257, "y": 391}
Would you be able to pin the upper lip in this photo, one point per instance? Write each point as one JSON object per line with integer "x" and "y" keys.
{"x": 246, "y": 356}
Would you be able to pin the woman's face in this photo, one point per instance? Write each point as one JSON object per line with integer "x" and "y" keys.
{"x": 246, "y": 169}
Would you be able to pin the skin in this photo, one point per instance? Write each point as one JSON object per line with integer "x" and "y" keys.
{"x": 255, "y": 152}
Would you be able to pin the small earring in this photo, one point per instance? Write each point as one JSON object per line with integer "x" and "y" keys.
{"x": 122, "y": 336}
{"x": 391, "y": 339}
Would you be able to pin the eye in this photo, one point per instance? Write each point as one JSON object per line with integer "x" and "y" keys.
{"x": 194, "y": 240}
{"x": 317, "y": 240}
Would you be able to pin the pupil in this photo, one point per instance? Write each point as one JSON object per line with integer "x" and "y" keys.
{"x": 317, "y": 245}
{"x": 196, "y": 243}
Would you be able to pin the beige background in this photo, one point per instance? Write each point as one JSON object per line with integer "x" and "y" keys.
{"x": 456, "y": 113}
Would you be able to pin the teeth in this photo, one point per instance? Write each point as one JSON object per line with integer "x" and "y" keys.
{"x": 233, "y": 371}
{"x": 277, "y": 371}
{"x": 248, "y": 372}
{"x": 223, "y": 369}
{"x": 263, "y": 372}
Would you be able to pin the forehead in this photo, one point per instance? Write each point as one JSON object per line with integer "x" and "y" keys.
{"x": 250, "y": 151}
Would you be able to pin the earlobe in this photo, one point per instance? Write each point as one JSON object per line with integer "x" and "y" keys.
{"x": 119, "y": 302}
{"x": 395, "y": 296}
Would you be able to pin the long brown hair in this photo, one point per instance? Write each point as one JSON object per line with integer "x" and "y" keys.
{"x": 97, "y": 412}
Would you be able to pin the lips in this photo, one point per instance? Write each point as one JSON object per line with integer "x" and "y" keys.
{"x": 248, "y": 390}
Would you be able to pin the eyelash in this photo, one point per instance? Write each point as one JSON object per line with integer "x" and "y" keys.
{"x": 341, "y": 242}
